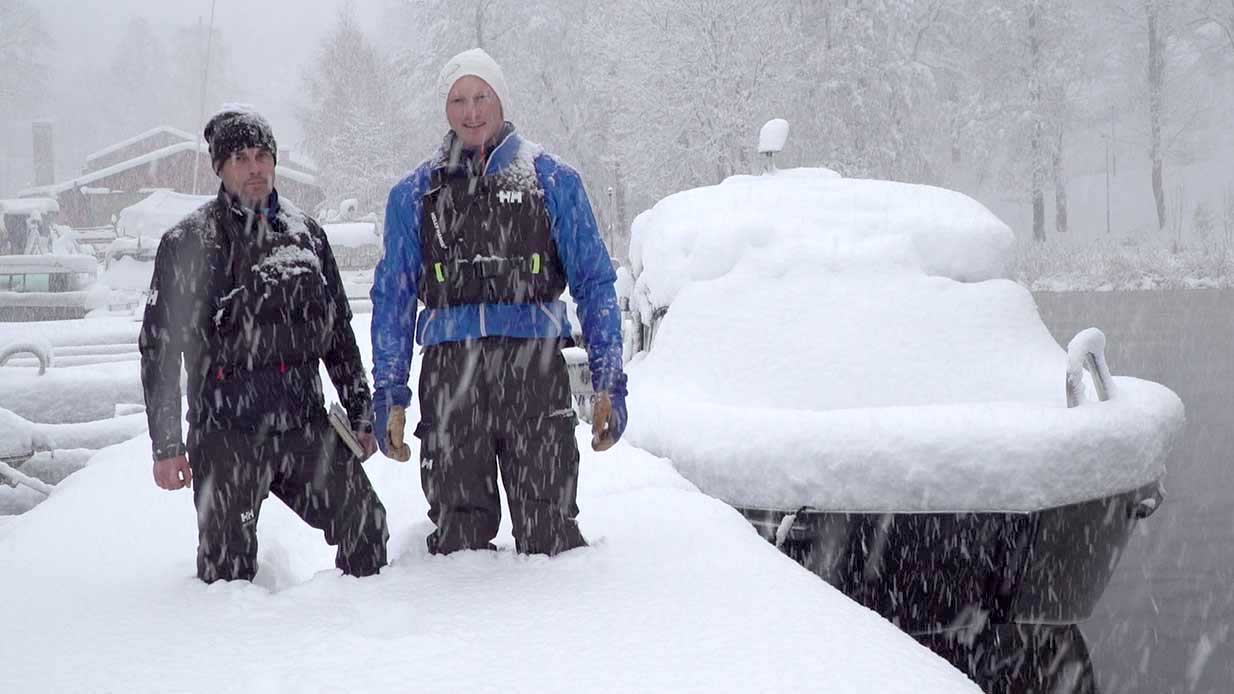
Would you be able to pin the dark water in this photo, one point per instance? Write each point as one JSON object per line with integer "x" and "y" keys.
{"x": 1164, "y": 624}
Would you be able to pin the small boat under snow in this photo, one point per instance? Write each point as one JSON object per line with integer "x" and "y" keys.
{"x": 846, "y": 363}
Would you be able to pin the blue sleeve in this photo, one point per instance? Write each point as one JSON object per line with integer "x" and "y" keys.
{"x": 589, "y": 270}
{"x": 395, "y": 284}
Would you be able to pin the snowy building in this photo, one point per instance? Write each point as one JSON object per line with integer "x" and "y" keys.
{"x": 162, "y": 158}
{"x": 149, "y": 141}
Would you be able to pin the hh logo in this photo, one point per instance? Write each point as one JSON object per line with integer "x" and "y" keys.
{"x": 510, "y": 196}
{"x": 426, "y": 463}
{"x": 153, "y": 298}
{"x": 246, "y": 516}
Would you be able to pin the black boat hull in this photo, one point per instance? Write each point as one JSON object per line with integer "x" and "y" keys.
{"x": 931, "y": 573}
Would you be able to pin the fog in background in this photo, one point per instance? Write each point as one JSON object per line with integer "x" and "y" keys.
{"x": 113, "y": 70}
{"x": 1073, "y": 121}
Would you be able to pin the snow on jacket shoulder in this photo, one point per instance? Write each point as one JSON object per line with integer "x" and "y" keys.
{"x": 589, "y": 273}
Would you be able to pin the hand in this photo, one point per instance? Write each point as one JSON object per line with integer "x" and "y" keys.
{"x": 608, "y": 420}
{"x": 389, "y": 420}
{"x": 368, "y": 443}
{"x": 173, "y": 473}
{"x": 399, "y": 450}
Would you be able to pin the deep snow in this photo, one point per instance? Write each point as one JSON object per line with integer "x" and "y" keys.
{"x": 676, "y": 593}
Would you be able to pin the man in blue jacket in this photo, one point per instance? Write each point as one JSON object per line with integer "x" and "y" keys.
{"x": 488, "y": 233}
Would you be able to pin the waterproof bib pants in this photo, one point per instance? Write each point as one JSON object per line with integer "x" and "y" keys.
{"x": 494, "y": 404}
{"x": 310, "y": 469}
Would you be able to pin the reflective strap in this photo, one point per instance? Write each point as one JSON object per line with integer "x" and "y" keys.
{"x": 535, "y": 263}
{"x": 441, "y": 275}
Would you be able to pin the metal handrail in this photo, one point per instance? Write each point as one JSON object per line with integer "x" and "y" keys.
{"x": 1086, "y": 351}
{"x": 649, "y": 333}
{"x": 43, "y": 354}
{"x": 7, "y": 471}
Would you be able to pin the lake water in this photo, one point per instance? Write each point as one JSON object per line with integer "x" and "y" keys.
{"x": 1164, "y": 623}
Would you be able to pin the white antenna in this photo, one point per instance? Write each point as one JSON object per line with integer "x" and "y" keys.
{"x": 771, "y": 140}
{"x": 201, "y": 111}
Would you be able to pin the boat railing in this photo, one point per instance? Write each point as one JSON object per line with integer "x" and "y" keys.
{"x": 1086, "y": 352}
{"x": 41, "y": 352}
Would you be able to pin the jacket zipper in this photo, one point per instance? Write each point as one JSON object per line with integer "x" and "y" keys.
{"x": 489, "y": 161}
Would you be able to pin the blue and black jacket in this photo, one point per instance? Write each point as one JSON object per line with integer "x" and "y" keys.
{"x": 396, "y": 327}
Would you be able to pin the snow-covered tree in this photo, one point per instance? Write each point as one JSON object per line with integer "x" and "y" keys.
{"x": 647, "y": 98}
{"x": 964, "y": 43}
{"x": 1163, "y": 83}
{"x": 136, "y": 74}
{"x": 1219, "y": 13}
{"x": 673, "y": 92}
{"x": 871, "y": 96}
{"x": 577, "y": 103}
{"x": 1015, "y": 70}
{"x": 24, "y": 45}
{"x": 1155, "y": 17}
{"x": 155, "y": 77}
{"x": 187, "y": 54}
{"x": 354, "y": 121}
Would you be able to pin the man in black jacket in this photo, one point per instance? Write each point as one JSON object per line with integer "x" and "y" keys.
{"x": 247, "y": 292}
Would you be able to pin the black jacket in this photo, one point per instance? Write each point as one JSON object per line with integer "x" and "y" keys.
{"x": 249, "y": 305}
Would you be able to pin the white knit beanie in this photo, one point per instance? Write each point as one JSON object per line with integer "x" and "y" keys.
{"x": 474, "y": 62}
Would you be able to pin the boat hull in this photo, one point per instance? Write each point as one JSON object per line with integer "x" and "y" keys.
{"x": 938, "y": 572}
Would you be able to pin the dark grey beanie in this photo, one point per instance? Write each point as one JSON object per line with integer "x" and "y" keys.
{"x": 232, "y": 130}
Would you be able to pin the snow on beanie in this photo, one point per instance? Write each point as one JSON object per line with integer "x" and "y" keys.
{"x": 236, "y": 128}
{"x": 480, "y": 64}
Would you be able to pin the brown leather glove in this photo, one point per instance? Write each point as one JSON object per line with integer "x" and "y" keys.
{"x": 399, "y": 450}
{"x": 601, "y": 411}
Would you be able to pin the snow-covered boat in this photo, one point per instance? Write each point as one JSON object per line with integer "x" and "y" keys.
{"x": 16, "y": 439}
{"x": 47, "y": 286}
{"x": 846, "y": 363}
{"x": 19, "y": 441}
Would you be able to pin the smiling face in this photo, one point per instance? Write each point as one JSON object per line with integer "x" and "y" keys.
{"x": 248, "y": 174}
{"x": 474, "y": 111}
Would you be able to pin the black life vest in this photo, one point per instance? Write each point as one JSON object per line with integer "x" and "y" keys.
{"x": 271, "y": 306}
{"x": 487, "y": 240}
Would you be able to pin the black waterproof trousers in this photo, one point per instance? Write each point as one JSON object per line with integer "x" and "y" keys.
{"x": 310, "y": 469}
{"x": 498, "y": 403}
